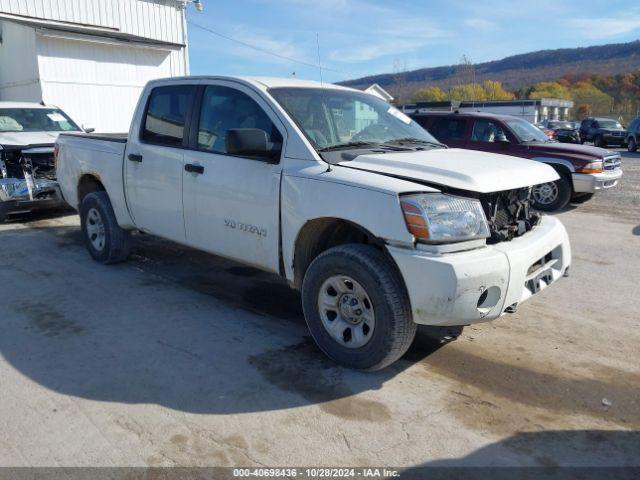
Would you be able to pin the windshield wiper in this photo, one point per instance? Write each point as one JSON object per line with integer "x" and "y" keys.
{"x": 341, "y": 146}
{"x": 414, "y": 140}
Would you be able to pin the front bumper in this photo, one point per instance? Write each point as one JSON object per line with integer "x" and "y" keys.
{"x": 592, "y": 182}
{"x": 613, "y": 139}
{"x": 479, "y": 285}
{"x": 15, "y": 199}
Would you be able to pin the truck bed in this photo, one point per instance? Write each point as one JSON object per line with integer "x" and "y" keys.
{"x": 99, "y": 155}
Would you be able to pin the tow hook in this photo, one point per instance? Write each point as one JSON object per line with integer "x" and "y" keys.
{"x": 512, "y": 308}
{"x": 566, "y": 272}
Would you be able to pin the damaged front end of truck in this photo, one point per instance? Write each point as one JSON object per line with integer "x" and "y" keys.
{"x": 28, "y": 179}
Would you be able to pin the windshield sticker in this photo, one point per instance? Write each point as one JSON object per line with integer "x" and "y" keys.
{"x": 399, "y": 115}
{"x": 56, "y": 117}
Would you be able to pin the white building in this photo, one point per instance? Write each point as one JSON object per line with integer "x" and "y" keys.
{"x": 90, "y": 57}
{"x": 534, "y": 111}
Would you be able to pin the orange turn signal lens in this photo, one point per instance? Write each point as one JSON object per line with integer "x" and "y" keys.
{"x": 416, "y": 224}
{"x": 592, "y": 167}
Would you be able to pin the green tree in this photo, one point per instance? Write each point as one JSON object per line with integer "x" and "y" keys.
{"x": 429, "y": 94}
{"x": 550, "y": 90}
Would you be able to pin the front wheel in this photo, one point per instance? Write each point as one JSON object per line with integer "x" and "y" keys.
{"x": 581, "y": 197}
{"x": 552, "y": 196}
{"x": 357, "y": 308}
{"x": 106, "y": 242}
{"x": 599, "y": 142}
{"x": 632, "y": 146}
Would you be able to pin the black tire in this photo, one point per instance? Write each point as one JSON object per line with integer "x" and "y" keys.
{"x": 394, "y": 328}
{"x": 632, "y": 146}
{"x": 598, "y": 142}
{"x": 581, "y": 197}
{"x": 116, "y": 241}
{"x": 561, "y": 199}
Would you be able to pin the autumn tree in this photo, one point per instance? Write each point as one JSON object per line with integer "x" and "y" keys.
{"x": 467, "y": 92}
{"x": 549, "y": 90}
{"x": 495, "y": 91}
{"x": 588, "y": 95}
{"x": 430, "y": 94}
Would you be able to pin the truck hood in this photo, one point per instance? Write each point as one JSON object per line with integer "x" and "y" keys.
{"x": 21, "y": 139}
{"x": 456, "y": 168}
{"x": 568, "y": 150}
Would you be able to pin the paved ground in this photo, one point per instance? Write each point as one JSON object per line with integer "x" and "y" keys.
{"x": 178, "y": 358}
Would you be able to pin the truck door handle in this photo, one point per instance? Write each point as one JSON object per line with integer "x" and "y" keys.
{"x": 135, "y": 158}
{"x": 191, "y": 168}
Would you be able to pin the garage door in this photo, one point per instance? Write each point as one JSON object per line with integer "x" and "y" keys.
{"x": 98, "y": 82}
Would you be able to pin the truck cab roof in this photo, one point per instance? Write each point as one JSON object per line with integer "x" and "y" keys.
{"x": 262, "y": 83}
{"x": 25, "y": 105}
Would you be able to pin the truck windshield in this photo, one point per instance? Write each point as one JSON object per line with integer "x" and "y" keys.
{"x": 35, "y": 120}
{"x": 341, "y": 119}
{"x": 526, "y": 132}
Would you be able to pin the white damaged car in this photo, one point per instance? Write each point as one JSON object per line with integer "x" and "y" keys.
{"x": 379, "y": 225}
{"x": 28, "y": 132}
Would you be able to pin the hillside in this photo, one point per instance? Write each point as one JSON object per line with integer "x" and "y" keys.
{"x": 516, "y": 71}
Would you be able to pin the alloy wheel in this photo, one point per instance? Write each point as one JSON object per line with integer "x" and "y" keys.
{"x": 545, "y": 193}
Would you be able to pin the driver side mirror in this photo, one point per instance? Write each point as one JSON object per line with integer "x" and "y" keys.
{"x": 502, "y": 140}
{"x": 88, "y": 129}
{"x": 252, "y": 143}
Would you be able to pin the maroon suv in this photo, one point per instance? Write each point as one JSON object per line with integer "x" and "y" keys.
{"x": 583, "y": 170}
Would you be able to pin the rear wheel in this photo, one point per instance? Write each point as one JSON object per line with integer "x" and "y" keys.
{"x": 105, "y": 240}
{"x": 632, "y": 146}
{"x": 552, "y": 196}
{"x": 357, "y": 308}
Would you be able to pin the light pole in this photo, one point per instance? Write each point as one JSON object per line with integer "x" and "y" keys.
{"x": 199, "y": 7}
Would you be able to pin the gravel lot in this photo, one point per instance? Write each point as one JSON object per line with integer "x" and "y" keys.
{"x": 179, "y": 358}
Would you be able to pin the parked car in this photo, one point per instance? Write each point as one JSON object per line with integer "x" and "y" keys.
{"x": 547, "y": 131}
{"x": 583, "y": 170}
{"x": 28, "y": 132}
{"x": 378, "y": 224}
{"x": 633, "y": 135}
{"x": 563, "y": 131}
{"x": 602, "y": 132}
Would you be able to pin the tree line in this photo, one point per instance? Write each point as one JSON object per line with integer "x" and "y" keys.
{"x": 615, "y": 96}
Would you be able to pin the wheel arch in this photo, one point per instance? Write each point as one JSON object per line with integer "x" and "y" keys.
{"x": 320, "y": 234}
{"x": 564, "y": 167}
{"x": 89, "y": 183}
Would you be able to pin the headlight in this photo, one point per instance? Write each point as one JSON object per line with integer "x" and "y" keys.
{"x": 438, "y": 218}
{"x": 592, "y": 167}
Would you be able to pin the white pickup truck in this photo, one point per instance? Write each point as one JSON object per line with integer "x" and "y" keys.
{"x": 380, "y": 226}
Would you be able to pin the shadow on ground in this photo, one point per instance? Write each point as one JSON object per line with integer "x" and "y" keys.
{"x": 583, "y": 454}
{"x": 136, "y": 333}
{"x": 242, "y": 346}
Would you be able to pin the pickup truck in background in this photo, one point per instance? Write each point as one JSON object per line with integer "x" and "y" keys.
{"x": 28, "y": 132}
{"x": 583, "y": 170}
{"x": 379, "y": 225}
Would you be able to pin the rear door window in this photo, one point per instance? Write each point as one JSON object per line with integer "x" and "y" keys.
{"x": 448, "y": 128}
{"x": 167, "y": 111}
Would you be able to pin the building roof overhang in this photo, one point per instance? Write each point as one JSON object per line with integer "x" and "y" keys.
{"x": 87, "y": 32}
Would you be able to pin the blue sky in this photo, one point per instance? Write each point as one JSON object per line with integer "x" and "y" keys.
{"x": 364, "y": 37}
